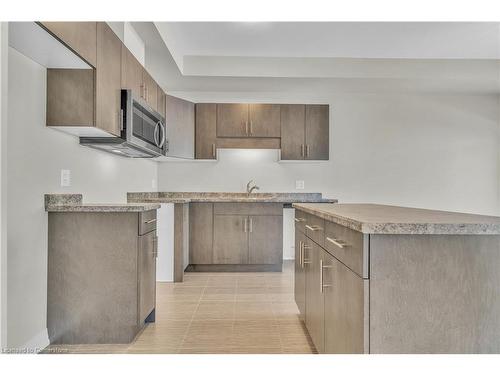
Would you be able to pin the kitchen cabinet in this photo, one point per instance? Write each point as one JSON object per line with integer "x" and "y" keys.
{"x": 293, "y": 131}
{"x": 317, "y": 132}
{"x": 265, "y": 239}
{"x": 264, "y": 120}
{"x": 150, "y": 90}
{"x": 180, "y": 127}
{"x": 206, "y": 131}
{"x": 201, "y": 233}
{"x": 147, "y": 274}
{"x": 162, "y": 102}
{"x": 230, "y": 239}
{"x": 248, "y": 120}
{"x": 344, "y": 307}
{"x": 304, "y": 132}
{"x": 315, "y": 305}
{"x": 80, "y": 37}
{"x": 131, "y": 74}
{"x": 300, "y": 275}
{"x": 101, "y": 276}
{"x": 232, "y": 120}
{"x": 108, "y": 80}
{"x": 236, "y": 236}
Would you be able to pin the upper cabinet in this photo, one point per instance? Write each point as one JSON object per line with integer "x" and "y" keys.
{"x": 304, "y": 132}
{"x": 150, "y": 90}
{"x": 206, "y": 132}
{"x": 248, "y": 120}
{"x": 79, "y": 36}
{"x": 108, "y": 80}
{"x": 180, "y": 128}
{"x": 132, "y": 73}
{"x": 162, "y": 102}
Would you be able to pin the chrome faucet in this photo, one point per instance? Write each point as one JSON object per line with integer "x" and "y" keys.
{"x": 251, "y": 188}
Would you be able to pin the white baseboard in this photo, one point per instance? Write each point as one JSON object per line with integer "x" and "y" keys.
{"x": 37, "y": 342}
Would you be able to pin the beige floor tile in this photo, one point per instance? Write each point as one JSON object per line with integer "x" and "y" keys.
{"x": 216, "y": 293}
{"x": 178, "y": 310}
{"x": 253, "y": 311}
{"x": 206, "y": 334}
{"x": 222, "y": 280}
{"x": 208, "y": 310}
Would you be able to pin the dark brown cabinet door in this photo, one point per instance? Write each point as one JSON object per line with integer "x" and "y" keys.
{"x": 265, "y": 239}
{"x": 108, "y": 79}
{"x": 314, "y": 297}
{"x": 206, "y": 131}
{"x": 300, "y": 276}
{"x": 131, "y": 73}
{"x": 161, "y": 100}
{"x": 293, "y": 131}
{"x": 264, "y": 120}
{"x": 81, "y": 37}
{"x": 344, "y": 308}
{"x": 317, "y": 132}
{"x": 201, "y": 233}
{"x": 151, "y": 90}
{"x": 147, "y": 274}
{"x": 230, "y": 239}
{"x": 232, "y": 120}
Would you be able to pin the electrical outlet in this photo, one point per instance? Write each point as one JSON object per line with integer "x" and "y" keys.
{"x": 153, "y": 183}
{"x": 299, "y": 184}
{"x": 65, "y": 177}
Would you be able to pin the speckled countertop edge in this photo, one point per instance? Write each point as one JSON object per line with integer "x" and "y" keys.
{"x": 74, "y": 203}
{"x": 226, "y": 197}
{"x": 405, "y": 228}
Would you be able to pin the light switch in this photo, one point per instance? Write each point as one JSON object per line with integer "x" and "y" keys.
{"x": 65, "y": 177}
{"x": 299, "y": 184}
{"x": 153, "y": 183}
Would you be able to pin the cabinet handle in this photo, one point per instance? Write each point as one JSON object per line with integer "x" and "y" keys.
{"x": 304, "y": 260}
{"x": 150, "y": 221}
{"x": 246, "y": 127}
{"x": 245, "y": 225}
{"x": 251, "y": 126}
{"x": 337, "y": 242}
{"x": 142, "y": 91}
{"x": 302, "y": 150}
{"x": 251, "y": 225}
{"x": 300, "y": 253}
{"x": 314, "y": 228}
{"x": 321, "y": 268}
{"x": 307, "y": 151}
{"x": 213, "y": 150}
{"x": 299, "y": 219}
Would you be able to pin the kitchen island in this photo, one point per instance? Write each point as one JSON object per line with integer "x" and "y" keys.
{"x": 384, "y": 279}
{"x": 222, "y": 231}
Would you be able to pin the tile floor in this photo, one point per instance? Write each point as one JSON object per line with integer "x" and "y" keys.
{"x": 219, "y": 313}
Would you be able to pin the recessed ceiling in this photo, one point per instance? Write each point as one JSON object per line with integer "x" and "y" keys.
{"x": 402, "y": 40}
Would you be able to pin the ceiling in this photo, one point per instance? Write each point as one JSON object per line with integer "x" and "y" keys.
{"x": 204, "y": 60}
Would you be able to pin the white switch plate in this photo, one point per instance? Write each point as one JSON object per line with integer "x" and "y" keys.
{"x": 153, "y": 183}
{"x": 299, "y": 184}
{"x": 65, "y": 177}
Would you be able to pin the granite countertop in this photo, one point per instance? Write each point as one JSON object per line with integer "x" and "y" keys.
{"x": 186, "y": 197}
{"x": 74, "y": 203}
{"x": 381, "y": 219}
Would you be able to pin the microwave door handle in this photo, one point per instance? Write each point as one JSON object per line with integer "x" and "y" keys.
{"x": 155, "y": 135}
{"x": 164, "y": 134}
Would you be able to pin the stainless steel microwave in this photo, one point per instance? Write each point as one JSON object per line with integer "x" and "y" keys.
{"x": 143, "y": 131}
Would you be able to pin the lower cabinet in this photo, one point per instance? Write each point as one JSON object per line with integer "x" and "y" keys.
{"x": 148, "y": 246}
{"x": 243, "y": 235}
{"x": 300, "y": 274}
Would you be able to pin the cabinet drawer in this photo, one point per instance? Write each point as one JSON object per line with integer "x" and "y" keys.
{"x": 147, "y": 222}
{"x": 348, "y": 246}
{"x": 315, "y": 229}
{"x": 248, "y": 209}
{"x": 300, "y": 220}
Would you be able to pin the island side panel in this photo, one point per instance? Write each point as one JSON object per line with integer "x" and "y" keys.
{"x": 434, "y": 294}
{"x": 92, "y": 278}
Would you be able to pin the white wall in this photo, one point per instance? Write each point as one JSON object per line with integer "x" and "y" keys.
{"x": 4, "y": 47}
{"x": 36, "y": 155}
{"x": 422, "y": 150}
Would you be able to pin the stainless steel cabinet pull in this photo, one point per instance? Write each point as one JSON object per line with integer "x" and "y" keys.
{"x": 299, "y": 219}
{"x": 251, "y": 127}
{"x": 150, "y": 221}
{"x": 213, "y": 150}
{"x": 314, "y": 228}
{"x": 251, "y": 225}
{"x": 246, "y": 127}
{"x": 337, "y": 242}
{"x": 304, "y": 260}
{"x": 302, "y": 150}
{"x": 245, "y": 225}
{"x": 307, "y": 150}
{"x": 300, "y": 253}
{"x": 321, "y": 268}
